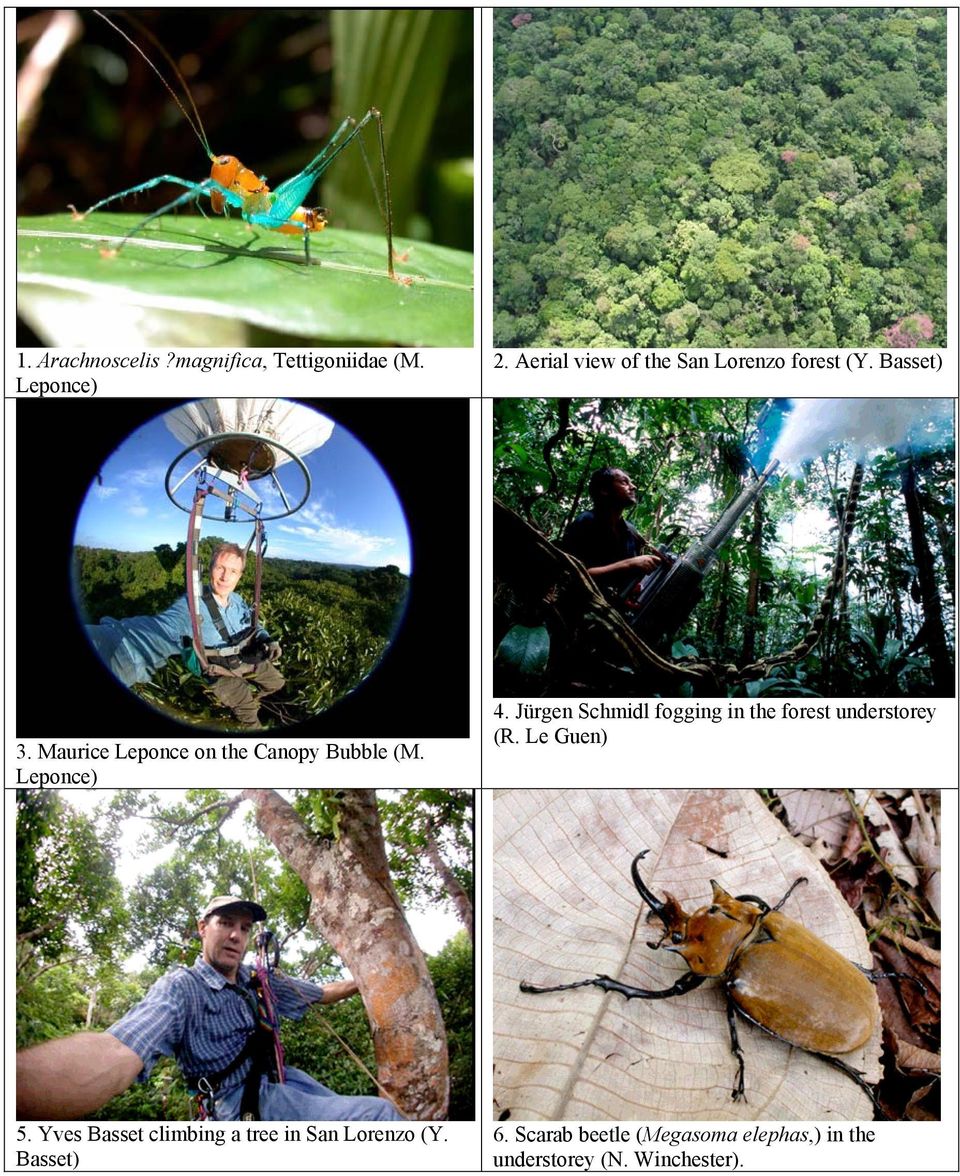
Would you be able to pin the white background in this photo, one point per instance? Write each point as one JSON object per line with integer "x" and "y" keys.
{"x": 742, "y": 754}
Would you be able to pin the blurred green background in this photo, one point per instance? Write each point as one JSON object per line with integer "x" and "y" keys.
{"x": 269, "y": 84}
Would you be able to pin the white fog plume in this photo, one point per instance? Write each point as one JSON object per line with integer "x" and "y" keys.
{"x": 864, "y": 424}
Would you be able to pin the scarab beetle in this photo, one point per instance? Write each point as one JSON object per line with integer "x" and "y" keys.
{"x": 775, "y": 974}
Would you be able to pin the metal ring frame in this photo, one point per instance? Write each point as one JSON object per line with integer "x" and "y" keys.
{"x": 207, "y": 442}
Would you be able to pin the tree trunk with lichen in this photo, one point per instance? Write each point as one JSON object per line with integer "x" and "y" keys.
{"x": 458, "y": 896}
{"x": 941, "y": 664}
{"x": 355, "y": 908}
{"x": 751, "y": 614}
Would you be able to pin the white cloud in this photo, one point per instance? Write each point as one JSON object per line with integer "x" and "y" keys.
{"x": 318, "y": 529}
{"x": 135, "y": 506}
{"x": 340, "y": 544}
{"x": 150, "y": 476}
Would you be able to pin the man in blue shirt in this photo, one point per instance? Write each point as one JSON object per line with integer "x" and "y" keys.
{"x": 137, "y": 646}
{"x": 206, "y": 1017}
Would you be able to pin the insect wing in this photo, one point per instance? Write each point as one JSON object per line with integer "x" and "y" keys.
{"x": 290, "y": 195}
{"x": 799, "y": 988}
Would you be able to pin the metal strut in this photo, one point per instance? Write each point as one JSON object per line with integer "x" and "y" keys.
{"x": 260, "y": 534}
{"x": 194, "y": 587}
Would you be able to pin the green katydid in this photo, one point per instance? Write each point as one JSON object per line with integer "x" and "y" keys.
{"x": 232, "y": 185}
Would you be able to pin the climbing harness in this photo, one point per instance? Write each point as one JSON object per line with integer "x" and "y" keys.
{"x": 263, "y": 1047}
{"x": 268, "y": 1016}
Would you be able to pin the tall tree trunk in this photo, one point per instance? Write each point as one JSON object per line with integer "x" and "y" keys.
{"x": 91, "y": 1005}
{"x": 941, "y": 516}
{"x": 941, "y": 667}
{"x": 459, "y": 897}
{"x": 750, "y": 617}
{"x": 355, "y": 908}
{"x": 722, "y": 611}
{"x": 893, "y": 588}
{"x": 836, "y": 640}
{"x": 948, "y": 550}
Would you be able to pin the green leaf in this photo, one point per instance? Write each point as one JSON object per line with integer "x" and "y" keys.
{"x": 787, "y": 687}
{"x": 526, "y": 650}
{"x": 190, "y": 281}
{"x": 396, "y": 60}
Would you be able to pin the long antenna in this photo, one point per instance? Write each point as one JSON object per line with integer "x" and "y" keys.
{"x": 195, "y": 122}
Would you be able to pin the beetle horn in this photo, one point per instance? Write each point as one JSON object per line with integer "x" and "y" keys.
{"x": 657, "y": 905}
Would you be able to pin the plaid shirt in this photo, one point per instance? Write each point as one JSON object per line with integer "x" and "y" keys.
{"x": 204, "y": 1025}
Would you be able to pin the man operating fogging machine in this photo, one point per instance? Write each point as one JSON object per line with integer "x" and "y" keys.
{"x": 656, "y": 591}
{"x": 220, "y": 1019}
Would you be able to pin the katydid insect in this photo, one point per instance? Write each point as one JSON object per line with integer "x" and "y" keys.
{"x": 232, "y": 185}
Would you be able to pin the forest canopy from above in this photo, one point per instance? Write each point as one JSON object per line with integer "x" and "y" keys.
{"x": 334, "y": 622}
{"x": 720, "y": 177}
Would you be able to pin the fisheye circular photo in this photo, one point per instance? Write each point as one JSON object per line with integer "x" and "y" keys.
{"x": 241, "y": 564}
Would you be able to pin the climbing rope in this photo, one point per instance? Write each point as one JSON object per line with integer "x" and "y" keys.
{"x": 268, "y": 1016}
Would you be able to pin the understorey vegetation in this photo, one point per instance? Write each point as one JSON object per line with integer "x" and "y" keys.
{"x": 879, "y": 625}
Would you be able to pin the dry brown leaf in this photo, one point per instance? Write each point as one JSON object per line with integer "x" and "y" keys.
{"x": 915, "y": 1109}
{"x": 818, "y": 814}
{"x": 566, "y": 909}
{"x": 914, "y": 1057}
{"x": 887, "y": 837}
{"x": 923, "y": 841}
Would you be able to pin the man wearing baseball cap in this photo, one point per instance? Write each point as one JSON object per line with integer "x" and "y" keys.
{"x": 205, "y": 1016}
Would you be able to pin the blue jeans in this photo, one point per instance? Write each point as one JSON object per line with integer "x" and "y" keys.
{"x": 302, "y": 1097}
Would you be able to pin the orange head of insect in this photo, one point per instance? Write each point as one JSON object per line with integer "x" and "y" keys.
{"x": 710, "y": 938}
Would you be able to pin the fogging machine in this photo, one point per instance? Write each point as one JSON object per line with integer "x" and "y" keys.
{"x": 658, "y": 604}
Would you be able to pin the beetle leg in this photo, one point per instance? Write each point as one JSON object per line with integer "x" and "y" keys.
{"x": 829, "y": 1058}
{"x": 738, "y": 1091}
{"x": 874, "y": 976}
{"x": 856, "y": 1075}
{"x": 686, "y": 983}
{"x": 789, "y": 892}
{"x": 764, "y": 906}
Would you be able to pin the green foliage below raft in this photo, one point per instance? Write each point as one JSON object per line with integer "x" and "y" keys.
{"x": 720, "y": 177}
{"x": 333, "y": 622}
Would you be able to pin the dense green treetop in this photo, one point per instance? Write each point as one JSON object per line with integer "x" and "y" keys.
{"x": 720, "y": 176}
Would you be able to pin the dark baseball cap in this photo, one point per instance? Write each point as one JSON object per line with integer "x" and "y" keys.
{"x": 224, "y": 901}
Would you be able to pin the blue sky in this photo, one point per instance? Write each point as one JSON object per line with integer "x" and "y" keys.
{"x": 353, "y": 515}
